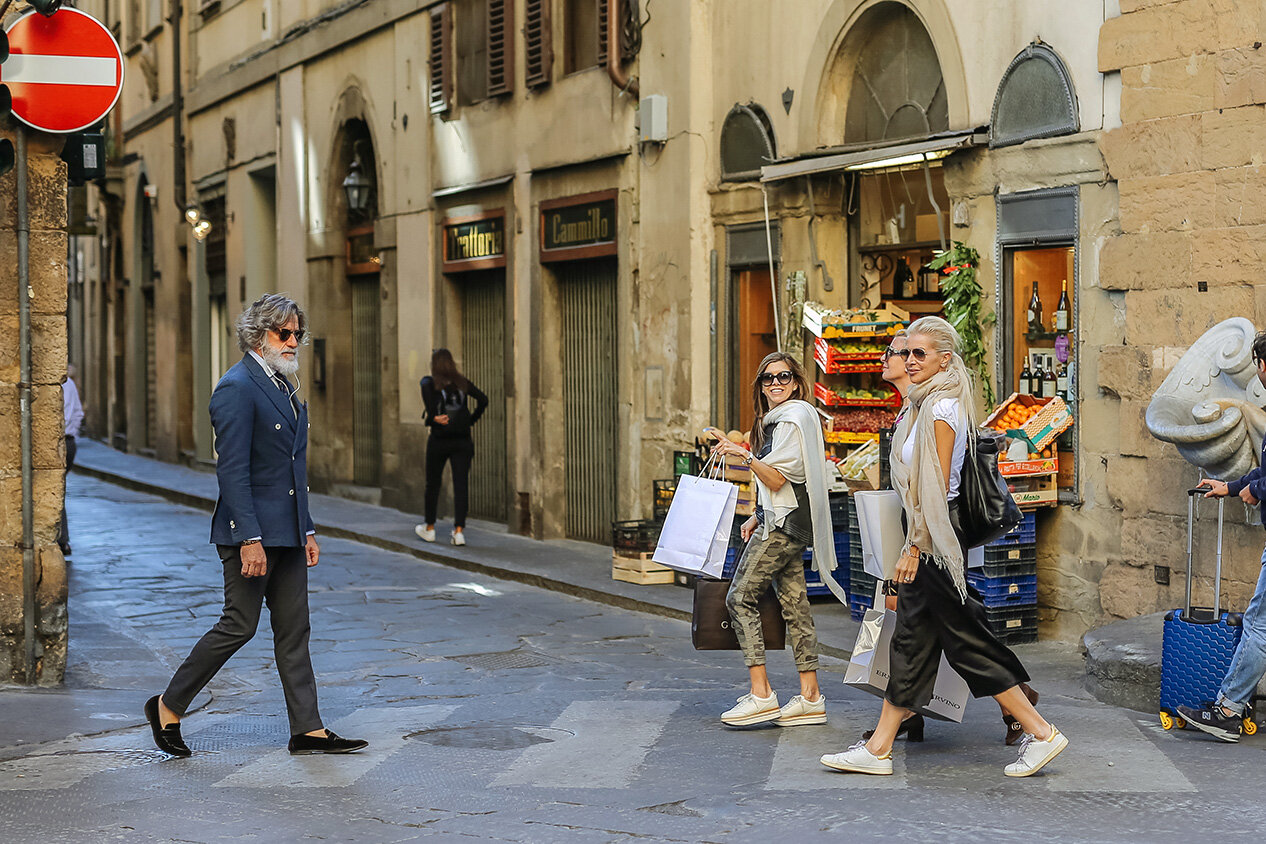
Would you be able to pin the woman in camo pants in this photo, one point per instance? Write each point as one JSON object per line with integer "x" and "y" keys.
{"x": 776, "y": 538}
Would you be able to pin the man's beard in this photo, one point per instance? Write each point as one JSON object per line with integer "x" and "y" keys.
{"x": 279, "y": 362}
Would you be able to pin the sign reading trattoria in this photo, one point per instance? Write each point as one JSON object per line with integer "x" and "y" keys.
{"x": 475, "y": 243}
{"x": 578, "y": 227}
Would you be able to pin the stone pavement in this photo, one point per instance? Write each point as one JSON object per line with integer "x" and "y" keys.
{"x": 500, "y": 711}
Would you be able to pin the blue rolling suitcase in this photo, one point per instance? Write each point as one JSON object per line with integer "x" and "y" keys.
{"x": 1198, "y": 642}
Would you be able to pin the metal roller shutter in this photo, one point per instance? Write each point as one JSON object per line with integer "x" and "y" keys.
{"x": 366, "y": 381}
{"x": 483, "y": 362}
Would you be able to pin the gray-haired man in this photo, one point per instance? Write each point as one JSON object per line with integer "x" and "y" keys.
{"x": 261, "y": 528}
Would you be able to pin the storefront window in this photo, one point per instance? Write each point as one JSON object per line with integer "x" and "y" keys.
{"x": 900, "y": 226}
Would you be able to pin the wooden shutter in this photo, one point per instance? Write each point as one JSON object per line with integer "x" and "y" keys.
{"x": 500, "y": 47}
{"x": 441, "y": 59}
{"x": 602, "y": 32}
{"x": 538, "y": 42}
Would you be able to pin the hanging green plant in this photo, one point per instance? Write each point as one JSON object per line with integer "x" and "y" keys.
{"x": 962, "y": 295}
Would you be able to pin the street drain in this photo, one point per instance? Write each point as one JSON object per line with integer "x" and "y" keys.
{"x": 506, "y": 659}
{"x": 490, "y": 736}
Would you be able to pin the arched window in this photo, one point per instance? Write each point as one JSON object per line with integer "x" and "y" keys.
{"x": 896, "y": 89}
{"x": 747, "y": 143}
{"x": 1035, "y": 99}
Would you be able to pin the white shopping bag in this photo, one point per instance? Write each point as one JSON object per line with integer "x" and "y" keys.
{"x": 868, "y": 669}
{"x": 976, "y": 557}
{"x": 696, "y": 531}
{"x": 879, "y": 519}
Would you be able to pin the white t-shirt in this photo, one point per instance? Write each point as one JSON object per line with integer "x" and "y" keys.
{"x": 947, "y": 411}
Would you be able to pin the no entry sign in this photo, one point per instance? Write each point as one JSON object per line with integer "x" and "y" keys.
{"x": 65, "y": 72}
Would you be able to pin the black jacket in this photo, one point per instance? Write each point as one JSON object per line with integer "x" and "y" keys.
{"x": 459, "y": 422}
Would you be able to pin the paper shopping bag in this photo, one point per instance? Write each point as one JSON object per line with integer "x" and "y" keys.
{"x": 879, "y": 521}
{"x": 868, "y": 669}
{"x": 712, "y": 629}
{"x": 696, "y": 531}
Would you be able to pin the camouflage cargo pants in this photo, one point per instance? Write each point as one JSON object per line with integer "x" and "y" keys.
{"x": 779, "y": 560}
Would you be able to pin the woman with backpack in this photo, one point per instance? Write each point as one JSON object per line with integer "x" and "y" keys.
{"x": 446, "y": 395}
{"x": 936, "y": 610}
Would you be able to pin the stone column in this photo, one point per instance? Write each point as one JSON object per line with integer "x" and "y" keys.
{"x": 47, "y": 204}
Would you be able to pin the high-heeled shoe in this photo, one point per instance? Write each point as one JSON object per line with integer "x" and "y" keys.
{"x": 911, "y": 728}
{"x": 1014, "y": 730}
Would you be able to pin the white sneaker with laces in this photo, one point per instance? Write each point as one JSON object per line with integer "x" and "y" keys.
{"x": 799, "y": 712}
{"x": 459, "y": 538}
{"x": 1034, "y": 754}
{"x": 752, "y": 710}
{"x": 427, "y": 534}
{"x": 858, "y": 760}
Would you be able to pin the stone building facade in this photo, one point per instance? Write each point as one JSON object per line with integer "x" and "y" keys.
{"x": 46, "y": 192}
{"x": 582, "y": 219}
{"x": 1187, "y": 163}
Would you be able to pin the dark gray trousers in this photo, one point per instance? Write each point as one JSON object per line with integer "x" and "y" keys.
{"x": 285, "y": 588}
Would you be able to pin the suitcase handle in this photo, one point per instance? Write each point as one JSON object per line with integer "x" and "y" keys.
{"x": 1193, "y": 498}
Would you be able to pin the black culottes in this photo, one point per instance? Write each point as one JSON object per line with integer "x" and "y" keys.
{"x": 931, "y": 619}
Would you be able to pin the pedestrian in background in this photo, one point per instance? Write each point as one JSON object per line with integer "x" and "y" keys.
{"x": 262, "y": 529}
{"x": 1224, "y": 718}
{"x": 72, "y": 418}
{"x": 446, "y": 395}
{"x": 937, "y": 611}
{"x": 788, "y": 462}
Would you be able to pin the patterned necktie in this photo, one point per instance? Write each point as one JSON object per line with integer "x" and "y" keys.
{"x": 284, "y": 386}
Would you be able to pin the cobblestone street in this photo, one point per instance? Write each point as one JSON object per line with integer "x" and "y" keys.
{"x": 498, "y": 711}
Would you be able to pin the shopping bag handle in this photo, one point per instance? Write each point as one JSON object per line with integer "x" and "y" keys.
{"x": 712, "y": 469}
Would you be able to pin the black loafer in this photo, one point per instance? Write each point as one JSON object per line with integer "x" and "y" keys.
{"x": 167, "y": 738}
{"x": 304, "y": 745}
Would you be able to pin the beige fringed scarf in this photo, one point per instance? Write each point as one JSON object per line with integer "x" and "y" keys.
{"x": 921, "y": 484}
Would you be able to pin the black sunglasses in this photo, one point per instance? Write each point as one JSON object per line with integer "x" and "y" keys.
{"x": 768, "y": 378}
{"x": 890, "y": 352}
{"x": 284, "y": 334}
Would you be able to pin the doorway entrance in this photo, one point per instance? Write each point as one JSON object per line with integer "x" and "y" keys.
{"x": 484, "y": 363}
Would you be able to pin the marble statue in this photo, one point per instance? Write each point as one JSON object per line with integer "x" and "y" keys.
{"x": 1210, "y": 405}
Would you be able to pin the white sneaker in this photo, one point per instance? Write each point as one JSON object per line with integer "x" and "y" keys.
{"x": 752, "y": 710}
{"x": 1034, "y": 754}
{"x": 459, "y": 538}
{"x": 857, "y": 759}
{"x": 427, "y": 534}
{"x": 799, "y": 711}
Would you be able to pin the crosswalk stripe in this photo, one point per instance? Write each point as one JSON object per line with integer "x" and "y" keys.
{"x": 383, "y": 727}
{"x": 609, "y": 743}
{"x": 62, "y": 764}
{"x": 1108, "y": 752}
{"x": 796, "y": 767}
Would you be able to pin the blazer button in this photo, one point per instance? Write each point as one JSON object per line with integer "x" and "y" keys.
{"x": 292, "y": 492}
{"x": 278, "y": 426}
{"x": 233, "y": 525}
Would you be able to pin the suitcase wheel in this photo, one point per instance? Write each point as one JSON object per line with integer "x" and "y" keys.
{"x": 1180, "y": 723}
{"x": 1250, "y": 727}
{"x": 1166, "y": 721}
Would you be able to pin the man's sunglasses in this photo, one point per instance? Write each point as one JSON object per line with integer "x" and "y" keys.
{"x": 284, "y": 334}
{"x": 767, "y": 379}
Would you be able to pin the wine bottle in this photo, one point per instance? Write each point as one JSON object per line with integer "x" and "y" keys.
{"x": 1035, "y": 312}
{"x": 904, "y": 280}
{"x": 1061, "y": 309}
{"x": 1026, "y": 380}
{"x": 1061, "y": 382}
{"x": 1049, "y": 380}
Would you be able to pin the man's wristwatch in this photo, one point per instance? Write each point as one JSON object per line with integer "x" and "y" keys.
{"x": 250, "y": 542}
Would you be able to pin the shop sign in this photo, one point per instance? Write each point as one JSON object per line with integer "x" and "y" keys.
{"x": 475, "y": 243}
{"x": 578, "y": 227}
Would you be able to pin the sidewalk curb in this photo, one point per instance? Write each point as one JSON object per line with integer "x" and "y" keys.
{"x": 540, "y": 581}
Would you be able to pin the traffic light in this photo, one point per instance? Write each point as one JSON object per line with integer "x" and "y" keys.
{"x": 84, "y": 154}
{"x": 7, "y": 155}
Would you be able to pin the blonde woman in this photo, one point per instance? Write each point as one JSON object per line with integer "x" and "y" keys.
{"x": 788, "y": 460}
{"x": 937, "y": 612}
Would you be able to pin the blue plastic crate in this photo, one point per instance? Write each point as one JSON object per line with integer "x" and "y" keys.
{"x": 858, "y": 604}
{"x": 813, "y": 581}
{"x": 1024, "y": 533}
{"x": 731, "y": 563}
{"x": 1004, "y": 591}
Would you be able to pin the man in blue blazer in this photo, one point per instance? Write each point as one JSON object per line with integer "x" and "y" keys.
{"x": 261, "y": 528}
{"x": 1224, "y": 718}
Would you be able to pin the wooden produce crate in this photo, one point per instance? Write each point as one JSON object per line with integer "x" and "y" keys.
{"x": 849, "y": 437}
{"x": 1043, "y": 427}
{"x": 1025, "y": 468}
{"x": 824, "y": 322}
{"x": 830, "y": 398}
{"x": 640, "y": 570}
{"x": 736, "y": 470}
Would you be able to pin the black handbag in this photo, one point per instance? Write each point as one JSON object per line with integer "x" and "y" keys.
{"x": 711, "y": 628}
{"x": 985, "y": 510}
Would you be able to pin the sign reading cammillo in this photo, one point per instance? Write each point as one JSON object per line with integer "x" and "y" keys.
{"x": 578, "y": 227}
{"x": 475, "y": 243}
